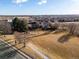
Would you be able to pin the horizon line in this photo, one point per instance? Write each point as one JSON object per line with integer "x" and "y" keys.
{"x": 41, "y": 15}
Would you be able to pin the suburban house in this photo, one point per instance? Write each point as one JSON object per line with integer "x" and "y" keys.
{"x": 5, "y": 26}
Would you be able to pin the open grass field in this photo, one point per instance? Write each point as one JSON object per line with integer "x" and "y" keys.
{"x": 53, "y": 45}
{"x": 67, "y": 49}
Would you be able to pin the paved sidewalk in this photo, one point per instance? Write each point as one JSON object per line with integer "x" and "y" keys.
{"x": 36, "y": 49}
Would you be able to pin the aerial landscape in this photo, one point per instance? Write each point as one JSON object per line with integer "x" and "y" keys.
{"x": 39, "y": 29}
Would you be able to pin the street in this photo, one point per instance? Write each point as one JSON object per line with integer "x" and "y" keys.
{"x": 6, "y": 52}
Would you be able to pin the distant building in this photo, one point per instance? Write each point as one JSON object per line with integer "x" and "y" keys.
{"x": 5, "y": 26}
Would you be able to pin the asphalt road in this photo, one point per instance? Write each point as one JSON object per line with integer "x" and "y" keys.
{"x": 6, "y": 52}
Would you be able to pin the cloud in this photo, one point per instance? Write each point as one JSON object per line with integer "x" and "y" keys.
{"x": 73, "y": 7}
{"x": 23, "y": 1}
{"x": 75, "y": 0}
{"x": 42, "y": 2}
{"x": 75, "y": 4}
{"x": 19, "y": 1}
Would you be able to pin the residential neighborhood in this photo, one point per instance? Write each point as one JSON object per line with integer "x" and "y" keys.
{"x": 39, "y": 29}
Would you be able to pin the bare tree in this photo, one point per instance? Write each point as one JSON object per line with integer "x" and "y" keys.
{"x": 20, "y": 38}
{"x": 72, "y": 28}
{"x": 76, "y": 32}
{"x": 54, "y": 25}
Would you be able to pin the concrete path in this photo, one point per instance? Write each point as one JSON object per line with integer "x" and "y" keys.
{"x": 36, "y": 49}
{"x": 33, "y": 47}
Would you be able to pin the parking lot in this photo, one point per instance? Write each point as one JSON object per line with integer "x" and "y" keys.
{"x": 6, "y": 52}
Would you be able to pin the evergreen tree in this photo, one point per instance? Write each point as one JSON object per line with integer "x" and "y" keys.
{"x": 19, "y": 25}
{"x": 15, "y": 24}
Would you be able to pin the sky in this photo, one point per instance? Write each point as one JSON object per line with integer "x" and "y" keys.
{"x": 39, "y": 7}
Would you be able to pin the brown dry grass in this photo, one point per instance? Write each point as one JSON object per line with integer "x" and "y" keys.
{"x": 27, "y": 50}
{"x": 53, "y": 48}
{"x": 50, "y": 45}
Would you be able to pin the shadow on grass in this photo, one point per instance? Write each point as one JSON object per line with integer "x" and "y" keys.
{"x": 7, "y": 40}
{"x": 64, "y": 38}
{"x": 46, "y": 33}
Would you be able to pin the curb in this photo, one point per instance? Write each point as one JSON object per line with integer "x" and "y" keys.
{"x": 20, "y": 52}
